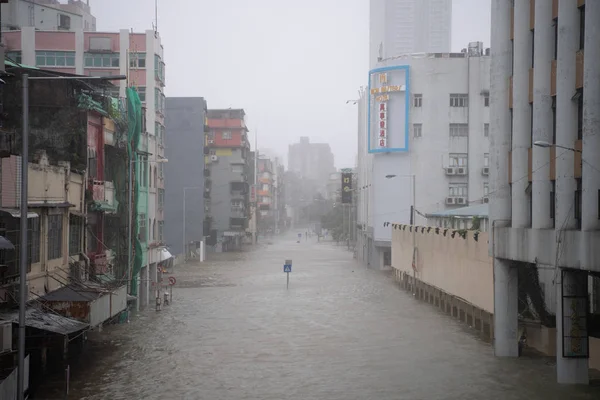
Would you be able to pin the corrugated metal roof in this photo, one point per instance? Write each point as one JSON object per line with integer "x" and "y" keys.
{"x": 73, "y": 292}
{"x": 46, "y": 321}
{"x": 478, "y": 210}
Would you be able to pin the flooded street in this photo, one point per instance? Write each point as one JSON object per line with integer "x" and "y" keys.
{"x": 340, "y": 332}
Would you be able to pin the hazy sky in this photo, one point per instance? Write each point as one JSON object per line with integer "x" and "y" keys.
{"x": 290, "y": 64}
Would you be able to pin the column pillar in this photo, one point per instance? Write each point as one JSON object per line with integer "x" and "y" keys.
{"x": 506, "y": 319}
{"x": 500, "y": 70}
{"x": 570, "y": 370}
{"x": 566, "y": 112}
{"x": 542, "y": 115}
{"x": 521, "y": 128}
{"x": 591, "y": 118}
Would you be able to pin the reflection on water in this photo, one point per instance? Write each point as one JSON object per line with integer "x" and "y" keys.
{"x": 339, "y": 332}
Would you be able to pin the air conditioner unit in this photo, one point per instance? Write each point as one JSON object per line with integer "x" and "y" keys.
{"x": 485, "y": 171}
{"x": 214, "y": 158}
{"x": 5, "y": 336}
{"x": 210, "y": 141}
{"x": 449, "y": 200}
{"x": 486, "y": 199}
{"x": 461, "y": 200}
{"x": 461, "y": 171}
{"x": 450, "y": 171}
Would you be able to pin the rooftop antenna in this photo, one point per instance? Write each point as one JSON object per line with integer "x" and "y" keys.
{"x": 155, "y": 16}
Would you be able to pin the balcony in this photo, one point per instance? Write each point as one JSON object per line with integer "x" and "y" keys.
{"x": 237, "y": 223}
{"x": 103, "y": 197}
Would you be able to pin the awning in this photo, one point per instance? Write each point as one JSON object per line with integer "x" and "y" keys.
{"x": 16, "y": 213}
{"x": 49, "y": 204}
{"x": 164, "y": 255}
{"x": 46, "y": 321}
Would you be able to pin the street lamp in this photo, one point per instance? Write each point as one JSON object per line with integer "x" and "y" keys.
{"x": 25, "y": 209}
{"x": 413, "y": 210}
{"x": 543, "y": 143}
{"x": 184, "y": 239}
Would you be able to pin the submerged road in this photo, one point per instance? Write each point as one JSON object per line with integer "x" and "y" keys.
{"x": 340, "y": 332}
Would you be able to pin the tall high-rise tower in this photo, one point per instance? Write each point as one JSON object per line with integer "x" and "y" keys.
{"x": 408, "y": 26}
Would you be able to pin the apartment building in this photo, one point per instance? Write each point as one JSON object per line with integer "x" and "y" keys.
{"x": 47, "y": 15}
{"x": 545, "y": 177}
{"x": 185, "y": 174}
{"x": 227, "y": 185}
{"x": 423, "y": 142}
{"x": 399, "y": 27}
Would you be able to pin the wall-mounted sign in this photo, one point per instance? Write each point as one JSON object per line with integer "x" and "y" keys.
{"x": 388, "y": 109}
{"x": 347, "y": 188}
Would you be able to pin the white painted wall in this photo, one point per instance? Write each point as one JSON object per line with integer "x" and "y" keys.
{"x": 25, "y": 13}
{"x": 435, "y": 79}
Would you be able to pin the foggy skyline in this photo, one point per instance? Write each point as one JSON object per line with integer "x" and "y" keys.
{"x": 292, "y": 74}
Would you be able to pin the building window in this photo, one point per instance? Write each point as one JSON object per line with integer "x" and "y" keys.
{"x": 458, "y": 160}
{"x": 159, "y": 69}
{"x": 486, "y": 130}
{"x": 101, "y": 60}
{"x": 457, "y": 190}
{"x": 75, "y": 227}
{"x": 581, "y": 26}
{"x": 161, "y": 198}
{"x": 14, "y": 56}
{"x": 237, "y": 169}
{"x": 142, "y": 93}
{"x": 226, "y": 135}
{"x": 553, "y": 119}
{"x": 161, "y": 227}
{"x": 459, "y": 100}
{"x": 486, "y": 189}
{"x": 577, "y": 204}
{"x": 55, "y": 229}
{"x": 137, "y": 60}
{"x": 486, "y": 100}
{"x": 418, "y": 100}
{"x": 34, "y": 242}
{"x": 64, "y": 22}
{"x": 580, "y": 114}
{"x": 552, "y": 201}
{"x": 142, "y": 227}
{"x": 55, "y": 58}
{"x": 417, "y": 130}
{"x": 459, "y": 130}
{"x": 161, "y": 171}
{"x": 486, "y": 159}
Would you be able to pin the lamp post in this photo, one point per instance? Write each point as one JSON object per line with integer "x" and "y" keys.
{"x": 185, "y": 189}
{"x": 24, "y": 211}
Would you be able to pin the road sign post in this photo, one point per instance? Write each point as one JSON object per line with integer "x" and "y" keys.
{"x": 287, "y": 268}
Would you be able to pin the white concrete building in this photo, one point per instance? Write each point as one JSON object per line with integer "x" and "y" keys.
{"x": 48, "y": 15}
{"x": 545, "y": 175}
{"x": 427, "y": 117}
{"x": 408, "y": 26}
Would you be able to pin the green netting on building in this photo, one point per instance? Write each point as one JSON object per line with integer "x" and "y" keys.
{"x": 134, "y": 115}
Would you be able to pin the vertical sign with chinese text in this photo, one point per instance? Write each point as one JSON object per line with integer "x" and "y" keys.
{"x": 346, "y": 188}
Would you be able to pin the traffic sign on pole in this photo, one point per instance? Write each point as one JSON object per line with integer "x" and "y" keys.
{"x": 172, "y": 280}
{"x": 287, "y": 268}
